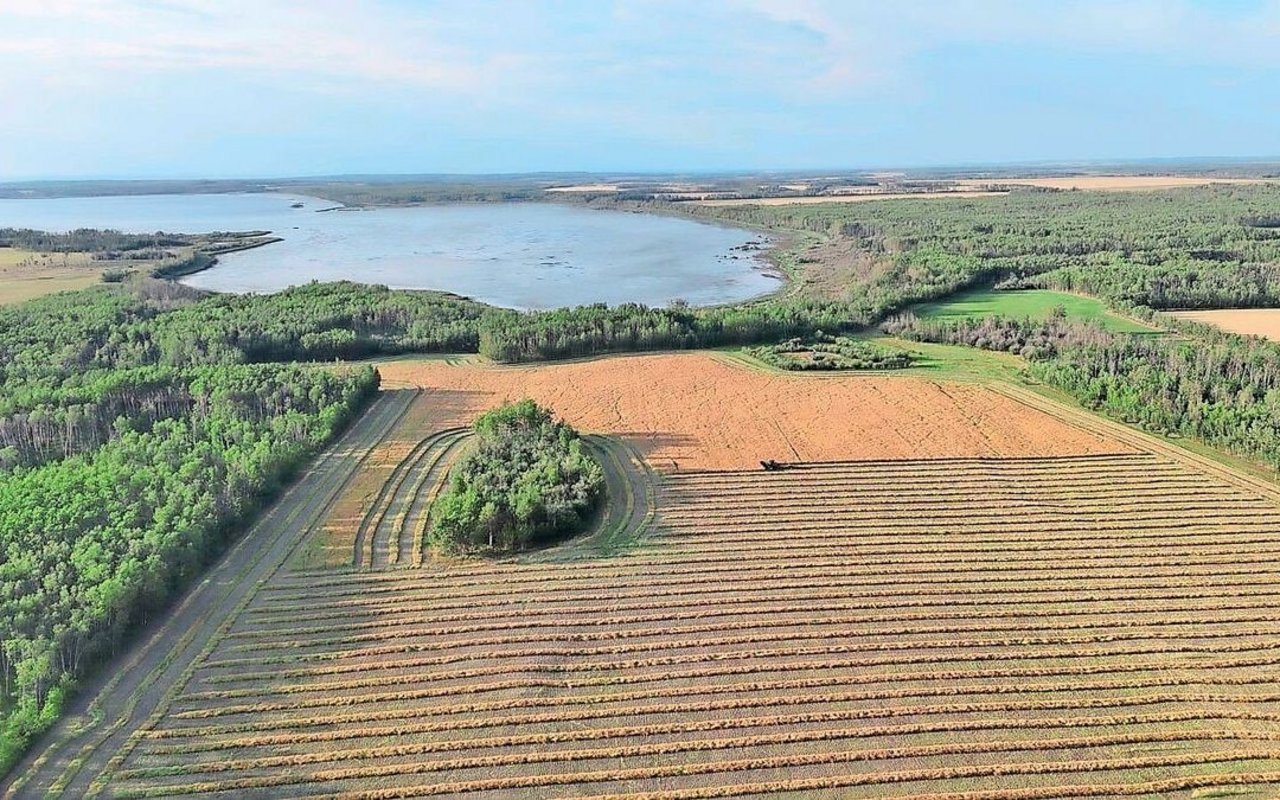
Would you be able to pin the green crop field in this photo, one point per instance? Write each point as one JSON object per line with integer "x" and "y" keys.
{"x": 1032, "y": 303}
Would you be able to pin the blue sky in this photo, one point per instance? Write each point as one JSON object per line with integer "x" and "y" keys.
{"x": 226, "y": 88}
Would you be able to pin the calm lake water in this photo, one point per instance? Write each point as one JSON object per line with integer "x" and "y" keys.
{"x": 522, "y": 255}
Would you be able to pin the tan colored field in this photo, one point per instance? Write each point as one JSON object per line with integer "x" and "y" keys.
{"x": 585, "y": 187}
{"x": 1264, "y": 322}
{"x": 1112, "y": 183}
{"x": 693, "y": 411}
{"x": 980, "y": 612}
{"x": 847, "y": 198}
{"x": 988, "y": 187}
{"x": 338, "y": 531}
{"x": 1015, "y": 627}
{"x": 25, "y": 275}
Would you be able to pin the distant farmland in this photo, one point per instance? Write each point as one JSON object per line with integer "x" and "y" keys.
{"x": 972, "y": 613}
{"x": 1264, "y": 322}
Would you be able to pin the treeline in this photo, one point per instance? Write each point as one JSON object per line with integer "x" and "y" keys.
{"x": 826, "y": 353}
{"x": 589, "y": 330}
{"x": 160, "y": 323}
{"x": 88, "y": 240}
{"x": 426, "y": 190}
{"x": 124, "y": 466}
{"x": 187, "y": 265}
{"x": 527, "y": 480}
{"x": 1177, "y": 283}
{"x": 1030, "y": 338}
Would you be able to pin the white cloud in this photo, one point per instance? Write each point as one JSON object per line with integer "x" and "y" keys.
{"x": 321, "y": 41}
{"x": 99, "y": 74}
{"x": 461, "y": 48}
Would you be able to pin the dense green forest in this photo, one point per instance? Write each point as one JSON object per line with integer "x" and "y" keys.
{"x": 125, "y": 463}
{"x": 155, "y": 322}
{"x": 527, "y": 480}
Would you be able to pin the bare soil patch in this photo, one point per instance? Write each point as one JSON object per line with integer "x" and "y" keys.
{"x": 1264, "y": 322}
{"x": 692, "y": 411}
{"x": 838, "y": 267}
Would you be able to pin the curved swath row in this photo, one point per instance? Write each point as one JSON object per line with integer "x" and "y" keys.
{"x": 1000, "y": 628}
{"x": 392, "y": 529}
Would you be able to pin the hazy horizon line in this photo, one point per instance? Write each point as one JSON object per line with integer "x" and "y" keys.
{"x": 1253, "y": 160}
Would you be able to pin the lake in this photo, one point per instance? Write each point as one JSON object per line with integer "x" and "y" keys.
{"x": 520, "y": 255}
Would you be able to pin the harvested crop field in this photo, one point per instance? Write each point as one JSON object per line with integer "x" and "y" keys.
{"x": 26, "y": 275}
{"x": 1264, "y": 322}
{"x": 1098, "y": 623}
{"x": 913, "y": 629}
{"x": 693, "y": 411}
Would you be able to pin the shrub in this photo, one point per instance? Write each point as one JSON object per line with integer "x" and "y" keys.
{"x": 831, "y": 353}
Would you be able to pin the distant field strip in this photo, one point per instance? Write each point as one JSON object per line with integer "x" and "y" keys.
{"x": 1098, "y": 625}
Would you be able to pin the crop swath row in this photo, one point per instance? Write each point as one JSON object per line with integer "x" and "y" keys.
{"x": 1056, "y": 627}
{"x": 391, "y": 531}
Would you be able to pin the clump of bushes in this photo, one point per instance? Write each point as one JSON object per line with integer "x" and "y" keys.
{"x": 826, "y": 352}
{"x": 528, "y": 480}
{"x": 1032, "y": 339}
{"x": 114, "y": 275}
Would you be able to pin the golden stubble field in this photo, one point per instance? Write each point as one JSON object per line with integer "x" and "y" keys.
{"x": 1264, "y": 322}
{"x": 962, "y": 592}
{"x": 693, "y": 411}
{"x": 992, "y": 187}
{"x": 1112, "y": 183}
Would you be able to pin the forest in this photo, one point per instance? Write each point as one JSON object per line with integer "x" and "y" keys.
{"x": 86, "y": 240}
{"x": 124, "y": 468}
{"x": 527, "y": 480}
{"x": 1184, "y": 248}
{"x": 825, "y": 353}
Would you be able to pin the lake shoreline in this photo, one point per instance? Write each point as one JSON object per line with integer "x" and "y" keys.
{"x": 513, "y": 254}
